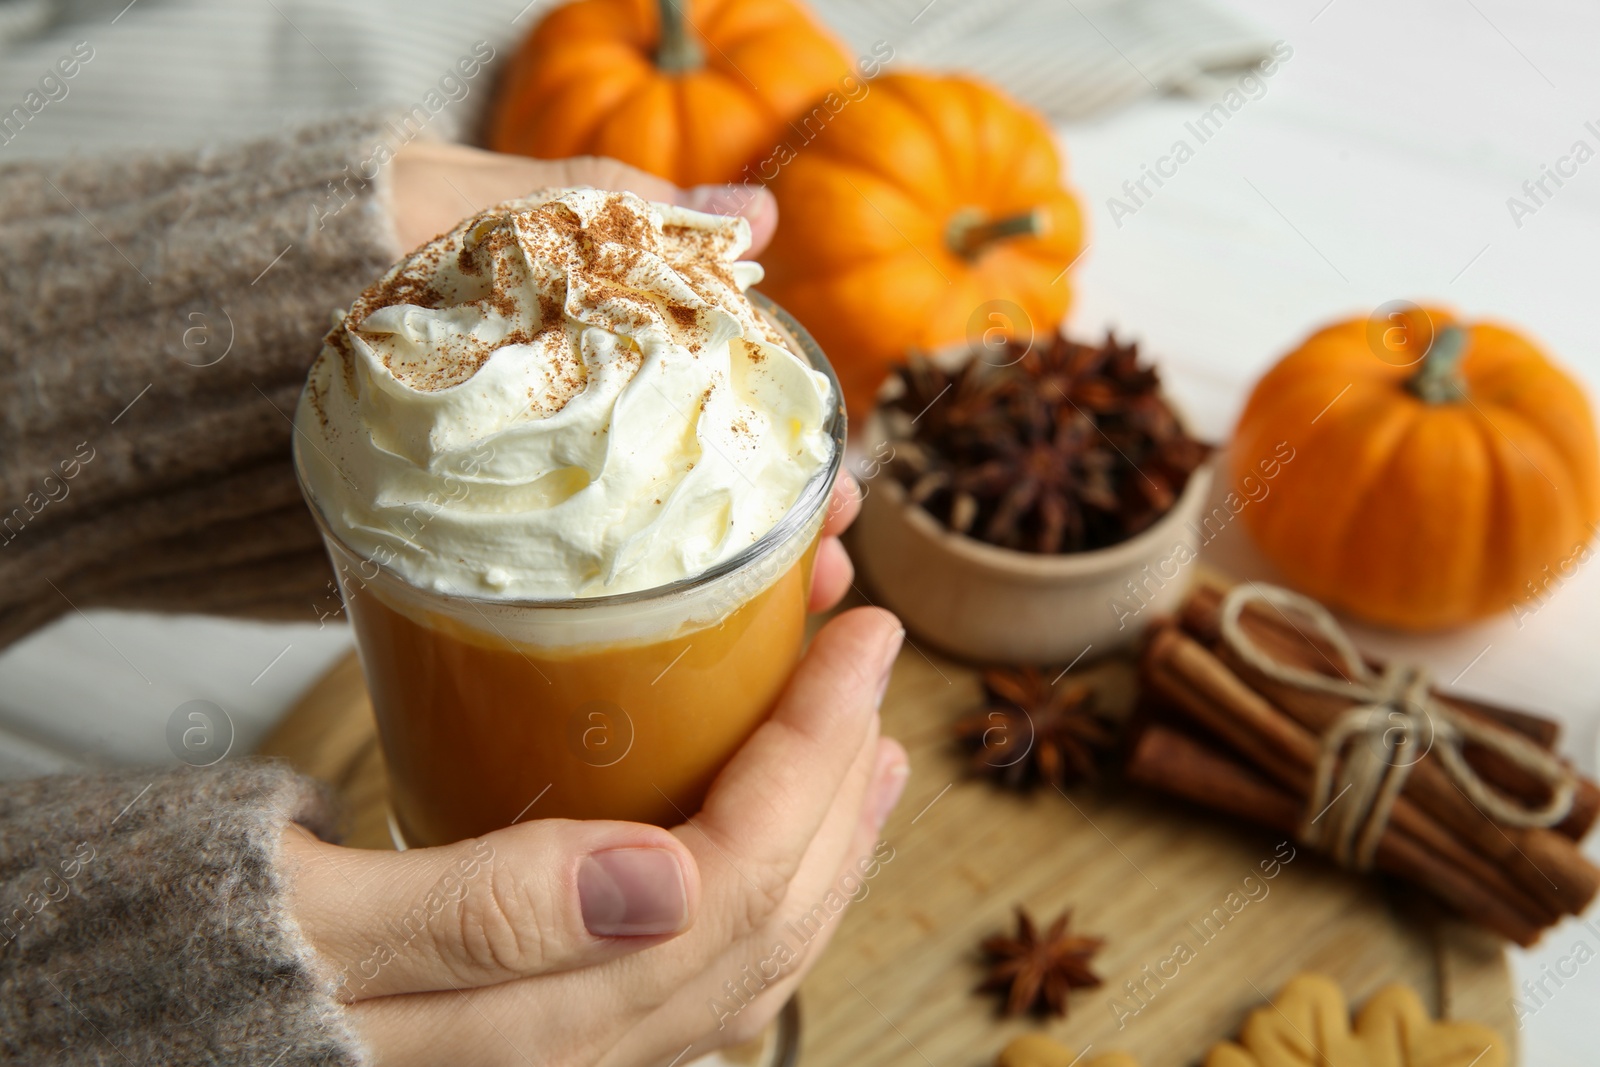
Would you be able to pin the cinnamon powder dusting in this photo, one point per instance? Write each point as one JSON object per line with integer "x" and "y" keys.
{"x": 503, "y": 265}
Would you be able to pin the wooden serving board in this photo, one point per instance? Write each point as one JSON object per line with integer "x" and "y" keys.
{"x": 896, "y": 986}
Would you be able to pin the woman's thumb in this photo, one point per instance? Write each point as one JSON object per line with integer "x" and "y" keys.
{"x": 533, "y": 898}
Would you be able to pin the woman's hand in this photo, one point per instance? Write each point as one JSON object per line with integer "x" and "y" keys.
{"x": 437, "y": 184}
{"x": 567, "y": 942}
{"x": 832, "y": 574}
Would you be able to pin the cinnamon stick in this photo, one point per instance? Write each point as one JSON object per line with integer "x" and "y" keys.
{"x": 1174, "y": 762}
{"x": 1536, "y": 728}
{"x": 1202, "y": 610}
{"x": 1546, "y": 864}
{"x": 1170, "y": 761}
{"x": 1278, "y": 637}
{"x": 1193, "y": 680}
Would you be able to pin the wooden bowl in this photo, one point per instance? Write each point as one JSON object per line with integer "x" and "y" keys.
{"x": 989, "y": 604}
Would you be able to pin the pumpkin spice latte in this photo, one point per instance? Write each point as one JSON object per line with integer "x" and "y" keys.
{"x": 571, "y": 479}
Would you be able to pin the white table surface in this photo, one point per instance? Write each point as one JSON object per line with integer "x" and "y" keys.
{"x": 1376, "y": 166}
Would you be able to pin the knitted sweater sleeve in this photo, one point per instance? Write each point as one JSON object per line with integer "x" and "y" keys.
{"x": 157, "y": 316}
{"x": 142, "y": 920}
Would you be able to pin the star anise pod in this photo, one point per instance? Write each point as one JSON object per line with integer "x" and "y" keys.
{"x": 1031, "y": 732}
{"x": 1058, "y": 447}
{"x": 1035, "y": 972}
{"x": 1094, "y": 380}
{"x": 959, "y": 404}
{"x": 1054, "y": 474}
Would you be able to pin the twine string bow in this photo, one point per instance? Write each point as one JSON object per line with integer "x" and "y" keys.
{"x": 1369, "y": 750}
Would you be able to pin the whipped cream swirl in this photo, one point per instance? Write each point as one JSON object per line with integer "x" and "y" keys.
{"x": 565, "y": 396}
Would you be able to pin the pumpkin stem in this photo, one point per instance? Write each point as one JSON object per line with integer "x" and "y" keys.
{"x": 969, "y": 232}
{"x": 678, "y": 52}
{"x": 1438, "y": 380}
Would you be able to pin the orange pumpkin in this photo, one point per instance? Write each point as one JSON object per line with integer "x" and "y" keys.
{"x": 927, "y": 211}
{"x": 1436, "y": 469}
{"x": 694, "y": 101}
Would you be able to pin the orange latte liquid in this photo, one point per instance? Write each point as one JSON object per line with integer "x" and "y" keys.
{"x": 475, "y": 727}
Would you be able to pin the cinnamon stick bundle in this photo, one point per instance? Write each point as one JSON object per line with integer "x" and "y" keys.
{"x": 1165, "y": 759}
{"x": 1200, "y": 616}
{"x": 1514, "y": 880}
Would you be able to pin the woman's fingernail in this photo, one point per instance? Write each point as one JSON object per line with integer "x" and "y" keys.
{"x": 888, "y": 793}
{"x": 890, "y": 651}
{"x": 733, "y": 199}
{"x": 631, "y": 892}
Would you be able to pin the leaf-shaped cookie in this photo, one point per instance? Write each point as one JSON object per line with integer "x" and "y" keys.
{"x": 1395, "y": 1030}
{"x": 1308, "y": 1025}
{"x": 1036, "y": 1050}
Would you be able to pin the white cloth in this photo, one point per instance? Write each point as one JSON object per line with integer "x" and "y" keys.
{"x": 1069, "y": 58}
{"x": 172, "y": 72}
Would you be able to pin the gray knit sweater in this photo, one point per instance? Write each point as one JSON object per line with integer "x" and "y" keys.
{"x": 142, "y": 921}
{"x": 157, "y": 316}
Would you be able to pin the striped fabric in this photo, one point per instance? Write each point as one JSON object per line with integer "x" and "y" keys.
{"x": 173, "y": 72}
{"x": 1068, "y": 58}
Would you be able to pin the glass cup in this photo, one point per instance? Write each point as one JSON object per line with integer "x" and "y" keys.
{"x": 611, "y": 707}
